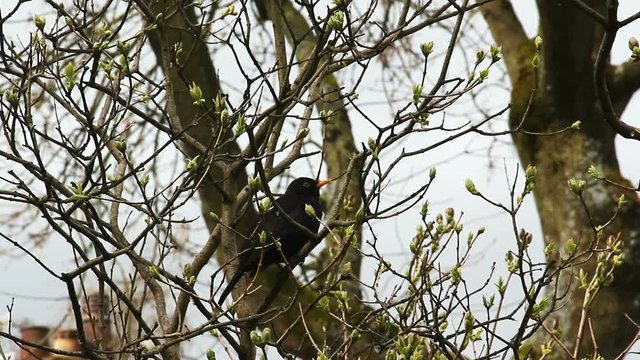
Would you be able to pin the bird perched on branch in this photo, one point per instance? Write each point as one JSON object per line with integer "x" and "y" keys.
{"x": 301, "y": 192}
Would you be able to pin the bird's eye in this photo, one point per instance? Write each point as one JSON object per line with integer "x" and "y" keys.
{"x": 306, "y": 184}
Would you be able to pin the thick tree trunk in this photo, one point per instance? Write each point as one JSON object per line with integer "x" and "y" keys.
{"x": 565, "y": 94}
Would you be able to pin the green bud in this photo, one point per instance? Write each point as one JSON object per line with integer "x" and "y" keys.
{"x": 501, "y": 286}
{"x": 224, "y": 116}
{"x": 423, "y": 118}
{"x": 372, "y": 144}
{"x": 471, "y": 187}
{"x": 229, "y": 11}
{"x": 123, "y": 62}
{"x": 576, "y": 186}
{"x": 124, "y": 47}
{"x": 107, "y": 66}
{"x": 326, "y": 115}
{"x": 241, "y": 125}
{"x": 69, "y": 74}
{"x": 635, "y": 53}
{"x": 570, "y": 246}
{"x": 340, "y": 295}
{"x": 12, "y": 96}
{"x": 211, "y": 355}
{"x": 469, "y": 321}
{"x": 594, "y": 172}
{"x": 426, "y": 48}
{"x": 539, "y": 307}
{"x": 256, "y": 339}
{"x": 121, "y": 145}
{"x": 495, "y": 53}
{"x": 617, "y": 260}
{"x": 443, "y": 326}
{"x": 192, "y": 164}
{"x": 535, "y": 62}
{"x": 480, "y": 55}
{"x": 196, "y": 94}
{"x": 105, "y": 31}
{"x": 538, "y": 42}
{"x": 153, "y": 272}
{"x": 309, "y": 210}
{"x": 346, "y": 268}
{"x": 456, "y": 275}
{"x": 186, "y": 270}
{"x": 432, "y": 173}
{"x": 349, "y": 231}
{"x": 450, "y": 213}
{"x": 214, "y": 217}
{"x": 255, "y": 183}
{"x": 100, "y": 45}
{"x": 425, "y": 210}
{"x": 145, "y": 180}
{"x": 323, "y": 303}
{"x": 415, "y": 246}
{"x": 417, "y": 93}
{"x": 266, "y": 335}
{"x": 219, "y": 102}
{"x": 530, "y": 173}
{"x": 484, "y": 74}
{"x": 265, "y": 206}
{"x": 548, "y": 250}
{"x": 78, "y": 192}
{"x": 322, "y": 355}
{"x": 336, "y": 20}
{"x": 488, "y": 303}
{"x": 621, "y": 200}
{"x": 633, "y": 43}
{"x": 576, "y": 125}
{"x": 304, "y": 132}
{"x": 40, "y": 21}
{"x": 263, "y": 237}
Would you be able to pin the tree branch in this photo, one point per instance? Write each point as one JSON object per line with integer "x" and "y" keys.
{"x": 602, "y": 92}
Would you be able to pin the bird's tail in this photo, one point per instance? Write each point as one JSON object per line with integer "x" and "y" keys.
{"x": 231, "y": 284}
{"x": 248, "y": 265}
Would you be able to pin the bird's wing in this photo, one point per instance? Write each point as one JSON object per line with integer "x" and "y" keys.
{"x": 274, "y": 222}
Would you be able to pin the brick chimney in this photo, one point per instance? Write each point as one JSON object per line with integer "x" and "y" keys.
{"x": 96, "y": 324}
{"x": 34, "y": 334}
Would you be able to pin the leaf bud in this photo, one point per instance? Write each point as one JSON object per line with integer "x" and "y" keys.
{"x": 336, "y": 20}
{"x": 576, "y": 186}
{"x": 40, "y": 21}
{"x": 538, "y": 42}
{"x": 426, "y": 48}
{"x": 471, "y": 187}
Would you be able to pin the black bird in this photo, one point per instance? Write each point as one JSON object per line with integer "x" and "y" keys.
{"x": 302, "y": 191}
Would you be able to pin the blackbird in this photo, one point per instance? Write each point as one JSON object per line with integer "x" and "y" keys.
{"x": 302, "y": 191}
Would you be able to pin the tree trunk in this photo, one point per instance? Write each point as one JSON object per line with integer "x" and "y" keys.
{"x": 565, "y": 94}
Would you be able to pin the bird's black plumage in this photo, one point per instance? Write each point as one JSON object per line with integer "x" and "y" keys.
{"x": 300, "y": 192}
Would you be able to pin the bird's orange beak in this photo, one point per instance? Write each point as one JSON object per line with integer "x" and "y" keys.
{"x": 322, "y": 183}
